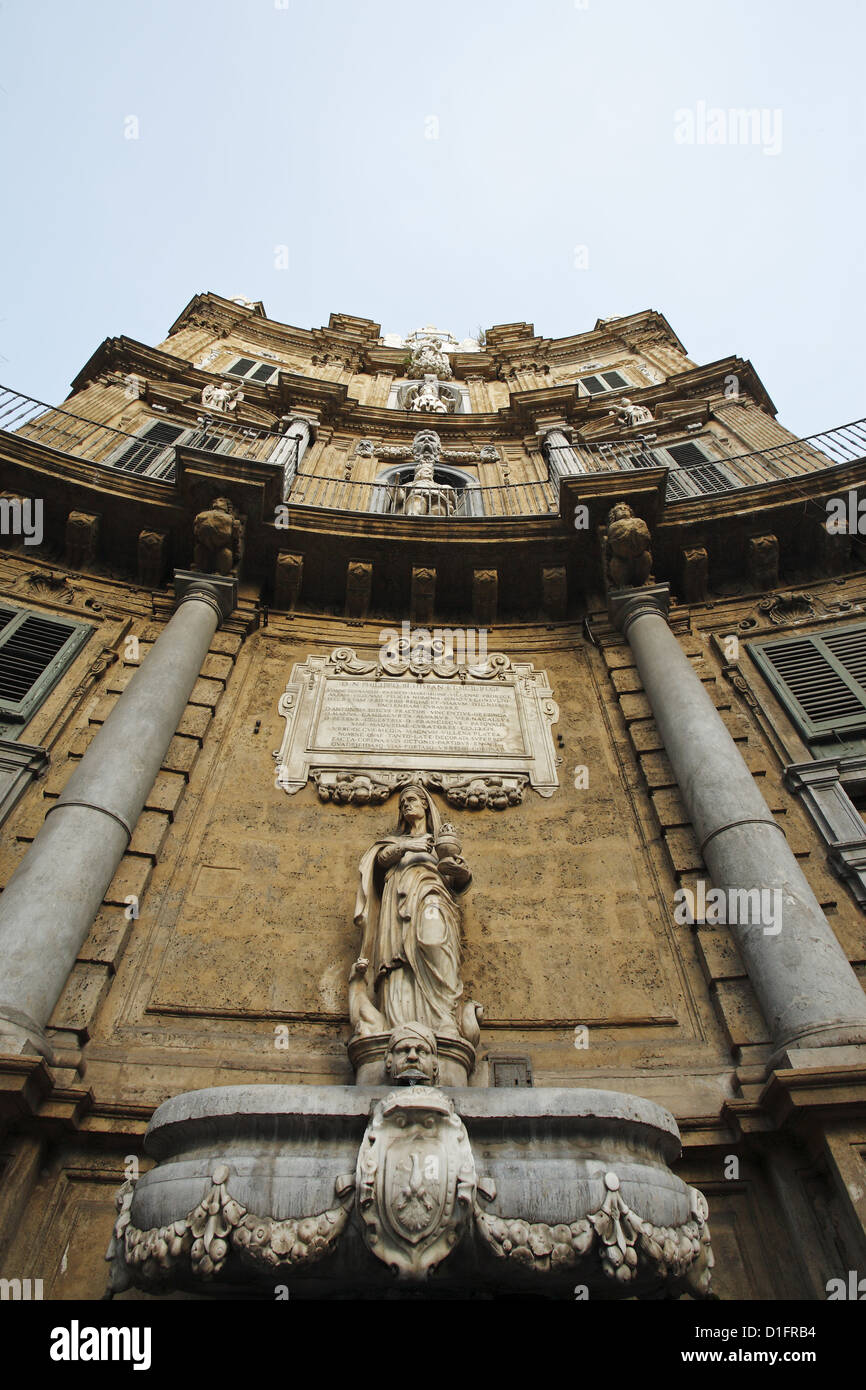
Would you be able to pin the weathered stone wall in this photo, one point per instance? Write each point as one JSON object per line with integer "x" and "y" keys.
{"x": 244, "y": 927}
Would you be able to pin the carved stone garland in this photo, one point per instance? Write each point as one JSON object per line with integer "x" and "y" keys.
{"x": 415, "y": 1197}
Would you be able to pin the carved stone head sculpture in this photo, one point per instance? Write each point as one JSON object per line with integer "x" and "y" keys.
{"x": 412, "y": 1057}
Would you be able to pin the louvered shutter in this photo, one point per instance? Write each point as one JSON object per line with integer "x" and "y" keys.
{"x": 646, "y": 459}
{"x": 614, "y": 380}
{"x": 34, "y": 652}
{"x": 676, "y": 489}
{"x": 140, "y": 455}
{"x": 705, "y": 475}
{"x": 819, "y": 679}
{"x": 684, "y": 455}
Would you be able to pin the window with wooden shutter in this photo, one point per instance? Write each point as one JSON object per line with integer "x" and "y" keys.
{"x": 820, "y": 679}
{"x": 35, "y": 650}
{"x": 151, "y": 452}
{"x": 249, "y": 370}
{"x": 694, "y": 471}
{"x": 677, "y": 485}
{"x": 603, "y": 381}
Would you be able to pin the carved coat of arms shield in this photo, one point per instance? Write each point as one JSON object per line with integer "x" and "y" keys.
{"x": 415, "y": 1181}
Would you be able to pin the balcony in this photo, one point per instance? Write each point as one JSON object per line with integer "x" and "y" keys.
{"x": 71, "y": 436}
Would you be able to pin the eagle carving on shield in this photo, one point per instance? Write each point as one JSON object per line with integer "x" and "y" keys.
{"x": 415, "y": 1180}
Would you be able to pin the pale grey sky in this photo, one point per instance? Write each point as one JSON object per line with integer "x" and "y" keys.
{"x": 458, "y": 163}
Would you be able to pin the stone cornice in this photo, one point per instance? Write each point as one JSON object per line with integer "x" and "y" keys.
{"x": 528, "y": 410}
{"x": 356, "y": 340}
{"x": 519, "y": 546}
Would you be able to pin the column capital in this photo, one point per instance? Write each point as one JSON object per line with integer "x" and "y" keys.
{"x": 220, "y": 591}
{"x": 624, "y": 605}
{"x": 296, "y": 417}
{"x": 546, "y": 428}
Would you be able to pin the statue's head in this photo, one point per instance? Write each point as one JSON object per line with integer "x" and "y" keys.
{"x": 412, "y": 801}
{"x": 619, "y": 513}
{"x": 412, "y": 1058}
{"x": 426, "y": 444}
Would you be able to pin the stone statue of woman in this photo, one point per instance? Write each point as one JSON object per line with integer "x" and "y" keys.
{"x": 410, "y": 922}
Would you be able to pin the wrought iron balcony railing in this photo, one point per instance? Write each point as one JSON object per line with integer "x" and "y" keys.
{"x": 152, "y": 453}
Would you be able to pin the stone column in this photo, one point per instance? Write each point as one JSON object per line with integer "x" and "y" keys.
{"x": 298, "y": 434}
{"x": 809, "y": 994}
{"x": 50, "y": 902}
{"x": 561, "y": 458}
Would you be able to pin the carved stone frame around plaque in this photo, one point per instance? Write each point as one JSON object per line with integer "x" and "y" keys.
{"x": 478, "y": 732}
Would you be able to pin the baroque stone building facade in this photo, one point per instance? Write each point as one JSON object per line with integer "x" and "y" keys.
{"x": 496, "y": 708}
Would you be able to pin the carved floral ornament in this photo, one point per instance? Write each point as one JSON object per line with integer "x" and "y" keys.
{"x": 358, "y": 788}
{"x": 367, "y": 448}
{"x": 415, "y": 1197}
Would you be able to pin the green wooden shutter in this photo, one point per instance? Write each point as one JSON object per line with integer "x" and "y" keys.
{"x": 35, "y": 650}
{"x": 821, "y": 680}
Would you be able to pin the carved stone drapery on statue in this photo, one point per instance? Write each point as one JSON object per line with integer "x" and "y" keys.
{"x": 409, "y": 918}
{"x": 627, "y": 413}
{"x": 223, "y": 396}
{"x": 427, "y": 398}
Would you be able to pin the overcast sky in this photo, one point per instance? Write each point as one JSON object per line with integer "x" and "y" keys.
{"x": 461, "y": 163}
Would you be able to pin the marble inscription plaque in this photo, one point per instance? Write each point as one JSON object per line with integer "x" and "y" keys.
{"x": 491, "y": 720}
{"x": 436, "y": 717}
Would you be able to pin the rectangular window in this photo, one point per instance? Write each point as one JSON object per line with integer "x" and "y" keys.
{"x": 150, "y": 452}
{"x": 249, "y": 370}
{"x": 820, "y": 679}
{"x": 692, "y": 469}
{"x": 35, "y": 650}
{"x": 604, "y": 381}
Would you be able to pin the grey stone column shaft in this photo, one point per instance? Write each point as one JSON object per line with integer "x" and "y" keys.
{"x": 805, "y": 985}
{"x": 298, "y": 434}
{"x": 561, "y": 457}
{"x": 51, "y": 900}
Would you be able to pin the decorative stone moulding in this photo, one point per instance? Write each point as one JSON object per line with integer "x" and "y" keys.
{"x": 478, "y": 731}
{"x": 335, "y": 1190}
{"x": 487, "y": 453}
{"x": 348, "y": 787}
{"x": 783, "y": 609}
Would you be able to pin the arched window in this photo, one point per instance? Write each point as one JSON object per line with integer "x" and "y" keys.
{"x": 459, "y": 493}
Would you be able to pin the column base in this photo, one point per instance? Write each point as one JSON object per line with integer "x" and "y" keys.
{"x": 20, "y": 1036}
{"x": 819, "y": 1047}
